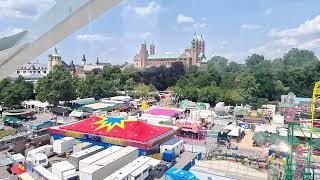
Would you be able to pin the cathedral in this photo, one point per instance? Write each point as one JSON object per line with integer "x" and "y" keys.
{"x": 192, "y": 55}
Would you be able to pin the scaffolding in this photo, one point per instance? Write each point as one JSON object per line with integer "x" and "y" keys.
{"x": 298, "y": 165}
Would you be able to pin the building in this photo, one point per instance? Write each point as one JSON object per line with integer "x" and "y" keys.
{"x": 107, "y": 131}
{"x": 193, "y": 55}
{"x": 31, "y": 72}
{"x": 55, "y": 59}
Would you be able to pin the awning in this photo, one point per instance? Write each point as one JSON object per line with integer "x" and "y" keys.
{"x": 18, "y": 169}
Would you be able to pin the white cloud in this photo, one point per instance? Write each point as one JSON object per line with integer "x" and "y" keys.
{"x": 145, "y": 35}
{"x": 250, "y": 26}
{"x": 184, "y": 19}
{"x": 198, "y": 25}
{"x": 313, "y": 44}
{"x": 92, "y": 37}
{"x": 223, "y": 44}
{"x": 10, "y": 31}
{"x": 24, "y": 9}
{"x": 308, "y": 27}
{"x": 268, "y": 12}
{"x": 150, "y": 9}
{"x": 275, "y": 48}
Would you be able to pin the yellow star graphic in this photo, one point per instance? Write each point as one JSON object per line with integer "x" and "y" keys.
{"x": 110, "y": 122}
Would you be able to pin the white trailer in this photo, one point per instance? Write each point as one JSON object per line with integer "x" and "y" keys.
{"x": 174, "y": 144}
{"x": 76, "y": 157}
{"x": 139, "y": 168}
{"x": 141, "y": 173}
{"x": 43, "y": 173}
{"x": 46, "y": 149}
{"x": 81, "y": 146}
{"x": 63, "y": 145}
{"x": 64, "y": 170}
{"x": 96, "y": 157}
{"x": 109, "y": 164}
{"x": 38, "y": 159}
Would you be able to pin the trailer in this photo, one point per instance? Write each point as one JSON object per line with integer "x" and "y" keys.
{"x": 76, "y": 157}
{"x": 64, "y": 170}
{"x": 42, "y": 173}
{"x": 63, "y": 145}
{"x": 173, "y": 144}
{"x": 141, "y": 173}
{"x": 109, "y": 164}
{"x": 38, "y": 159}
{"x": 46, "y": 149}
{"x": 140, "y": 168}
{"x": 81, "y": 146}
{"x": 96, "y": 157}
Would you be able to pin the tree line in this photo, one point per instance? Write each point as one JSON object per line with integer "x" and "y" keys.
{"x": 255, "y": 82}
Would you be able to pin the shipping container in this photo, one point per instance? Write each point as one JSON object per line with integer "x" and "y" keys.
{"x": 109, "y": 164}
{"x": 96, "y": 157}
{"x": 63, "y": 145}
{"x": 64, "y": 170}
{"x": 174, "y": 144}
{"x": 81, "y": 146}
{"x": 76, "y": 157}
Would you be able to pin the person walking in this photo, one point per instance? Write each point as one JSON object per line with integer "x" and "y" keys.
{"x": 1, "y": 110}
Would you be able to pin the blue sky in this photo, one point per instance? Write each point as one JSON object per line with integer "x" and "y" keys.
{"x": 231, "y": 28}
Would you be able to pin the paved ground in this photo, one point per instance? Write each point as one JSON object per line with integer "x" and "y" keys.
{"x": 231, "y": 169}
{"x": 3, "y": 170}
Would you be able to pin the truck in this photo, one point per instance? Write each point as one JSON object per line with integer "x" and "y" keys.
{"x": 169, "y": 156}
{"x": 173, "y": 144}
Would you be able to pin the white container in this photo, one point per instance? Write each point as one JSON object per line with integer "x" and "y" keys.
{"x": 109, "y": 164}
{"x": 141, "y": 173}
{"x": 38, "y": 159}
{"x": 136, "y": 167}
{"x": 63, "y": 145}
{"x": 81, "y": 146}
{"x": 172, "y": 144}
{"x": 76, "y": 157}
{"x": 43, "y": 173}
{"x": 96, "y": 157}
{"x": 63, "y": 170}
{"x": 46, "y": 149}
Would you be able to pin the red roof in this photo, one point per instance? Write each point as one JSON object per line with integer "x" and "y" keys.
{"x": 118, "y": 128}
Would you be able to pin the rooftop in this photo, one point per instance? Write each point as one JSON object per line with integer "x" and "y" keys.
{"x": 163, "y": 56}
{"x": 55, "y": 53}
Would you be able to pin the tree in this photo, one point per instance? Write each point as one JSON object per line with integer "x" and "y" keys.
{"x": 247, "y": 87}
{"x": 141, "y": 90}
{"x": 16, "y": 92}
{"x": 56, "y": 86}
{"x": 254, "y": 60}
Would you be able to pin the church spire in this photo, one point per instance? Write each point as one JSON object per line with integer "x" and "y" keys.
{"x": 97, "y": 61}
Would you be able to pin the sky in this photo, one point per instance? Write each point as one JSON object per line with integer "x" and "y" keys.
{"x": 231, "y": 28}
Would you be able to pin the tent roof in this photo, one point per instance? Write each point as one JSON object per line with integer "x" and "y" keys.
{"x": 118, "y": 128}
{"x": 162, "y": 111}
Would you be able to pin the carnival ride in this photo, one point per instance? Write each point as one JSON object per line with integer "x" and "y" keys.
{"x": 301, "y": 161}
